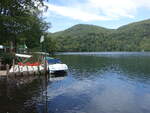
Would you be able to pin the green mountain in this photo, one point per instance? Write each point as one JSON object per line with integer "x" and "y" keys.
{"x": 81, "y": 37}
{"x": 82, "y": 29}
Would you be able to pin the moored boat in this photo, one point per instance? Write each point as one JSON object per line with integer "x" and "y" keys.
{"x": 56, "y": 66}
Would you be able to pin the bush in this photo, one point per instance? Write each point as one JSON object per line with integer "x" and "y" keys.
{"x": 6, "y": 58}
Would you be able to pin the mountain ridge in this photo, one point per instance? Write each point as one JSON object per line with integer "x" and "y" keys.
{"x": 84, "y": 37}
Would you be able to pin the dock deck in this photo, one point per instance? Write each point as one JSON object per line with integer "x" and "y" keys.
{"x": 3, "y": 73}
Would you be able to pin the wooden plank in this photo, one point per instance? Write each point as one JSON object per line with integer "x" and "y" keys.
{"x": 3, "y": 73}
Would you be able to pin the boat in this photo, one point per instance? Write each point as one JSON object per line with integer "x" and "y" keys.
{"x": 56, "y": 66}
{"x": 24, "y": 65}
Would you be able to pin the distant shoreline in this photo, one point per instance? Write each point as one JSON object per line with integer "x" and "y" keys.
{"x": 102, "y": 53}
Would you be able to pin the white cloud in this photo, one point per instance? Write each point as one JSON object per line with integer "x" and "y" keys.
{"x": 92, "y": 10}
{"x": 142, "y": 3}
{"x": 115, "y": 8}
{"x": 74, "y": 13}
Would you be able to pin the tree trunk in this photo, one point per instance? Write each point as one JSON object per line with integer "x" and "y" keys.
{"x": 11, "y": 47}
{"x": 15, "y": 46}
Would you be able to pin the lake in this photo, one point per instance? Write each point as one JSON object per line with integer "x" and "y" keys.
{"x": 97, "y": 82}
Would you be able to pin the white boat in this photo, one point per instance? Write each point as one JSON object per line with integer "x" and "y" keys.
{"x": 57, "y": 68}
{"x": 55, "y": 65}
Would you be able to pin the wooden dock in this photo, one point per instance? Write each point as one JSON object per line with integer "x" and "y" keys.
{"x": 23, "y": 70}
{"x": 3, "y": 73}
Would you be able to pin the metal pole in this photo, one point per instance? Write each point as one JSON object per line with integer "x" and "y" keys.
{"x": 0, "y": 63}
{"x": 13, "y": 65}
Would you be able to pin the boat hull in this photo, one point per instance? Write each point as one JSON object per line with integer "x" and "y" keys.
{"x": 58, "y": 68}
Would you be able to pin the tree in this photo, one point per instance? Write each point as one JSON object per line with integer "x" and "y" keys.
{"x": 145, "y": 44}
{"x": 50, "y": 45}
{"x": 19, "y": 19}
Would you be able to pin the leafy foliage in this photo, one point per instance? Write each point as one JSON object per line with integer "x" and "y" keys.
{"x": 21, "y": 22}
{"x": 132, "y": 37}
{"x": 49, "y": 45}
{"x": 7, "y": 58}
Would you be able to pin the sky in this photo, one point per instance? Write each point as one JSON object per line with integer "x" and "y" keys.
{"x": 63, "y": 14}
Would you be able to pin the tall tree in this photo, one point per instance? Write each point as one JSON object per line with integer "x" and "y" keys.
{"x": 18, "y": 18}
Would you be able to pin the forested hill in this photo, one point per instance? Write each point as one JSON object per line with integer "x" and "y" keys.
{"x": 82, "y": 29}
{"x": 81, "y": 37}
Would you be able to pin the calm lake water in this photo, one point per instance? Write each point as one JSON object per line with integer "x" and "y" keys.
{"x": 113, "y": 82}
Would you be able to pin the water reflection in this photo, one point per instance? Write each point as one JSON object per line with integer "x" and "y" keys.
{"x": 26, "y": 94}
{"x": 132, "y": 66}
{"x": 16, "y": 98}
{"x": 94, "y": 84}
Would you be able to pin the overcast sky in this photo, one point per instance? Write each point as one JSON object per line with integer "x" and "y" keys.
{"x": 63, "y": 14}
